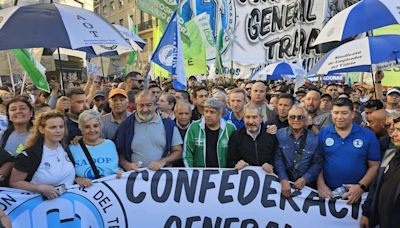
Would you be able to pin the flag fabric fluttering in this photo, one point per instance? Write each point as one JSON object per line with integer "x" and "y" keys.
{"x": 33, "y": 69}
{"x": 218, "y": 58}
{"x": 132, "y": 55}
{"x": 169, "y": 54}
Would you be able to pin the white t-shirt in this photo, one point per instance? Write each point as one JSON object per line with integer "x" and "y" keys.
{"x": 55, "y": 168}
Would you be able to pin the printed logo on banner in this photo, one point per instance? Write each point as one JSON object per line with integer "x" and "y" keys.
{"x": 109, "y": 48}
{"x": 166, "y": 55}
{"x": 94, "y": 207}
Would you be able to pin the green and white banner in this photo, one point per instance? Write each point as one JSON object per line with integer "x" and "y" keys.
{"x": 180, "y": 198}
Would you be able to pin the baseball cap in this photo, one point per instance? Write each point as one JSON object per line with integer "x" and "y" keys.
{"x": 300, "y": 91}
{"x": 326, "y": 95}
{"x": 394, "y": 90}
{"x": 99, "y": 93}
{"x": 117, "y": 91}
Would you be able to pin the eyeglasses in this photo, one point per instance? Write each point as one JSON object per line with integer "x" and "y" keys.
{"x": 247, "y": 89}
{"x": 388, "y": 125}
{"x": 293, "y": 117}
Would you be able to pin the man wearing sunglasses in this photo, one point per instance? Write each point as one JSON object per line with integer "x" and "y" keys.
{"x": 350, "y": 155}
{"x": 297, "y": 157}
{"x": 133, "y": 80}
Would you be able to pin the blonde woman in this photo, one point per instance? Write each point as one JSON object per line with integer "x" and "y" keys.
{"x": 44, "y": 165}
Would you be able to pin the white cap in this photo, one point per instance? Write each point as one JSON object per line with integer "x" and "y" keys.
{"x": 393, "y": 91}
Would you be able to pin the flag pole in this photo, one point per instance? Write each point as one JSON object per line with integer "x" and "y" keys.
{"x": 102, "y": 68}
{"x": 11, "y": 72}
{"x": 61, "y": 70}
{"x": 23, "y": 83}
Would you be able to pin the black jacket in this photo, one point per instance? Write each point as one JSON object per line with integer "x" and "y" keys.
{"x": 370, "y": 205}
{"x": 29, "y": 160}
{"x": 256, "y": 153}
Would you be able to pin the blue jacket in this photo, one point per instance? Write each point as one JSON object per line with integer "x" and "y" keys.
{"x": 310, "y": 163}
{"x": 126, "y": 131}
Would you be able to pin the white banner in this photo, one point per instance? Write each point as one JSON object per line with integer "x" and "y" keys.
{"x": 180, "y": 198}
{"x": 268, "y": 31}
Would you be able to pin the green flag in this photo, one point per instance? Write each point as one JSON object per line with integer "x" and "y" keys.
{"x": 161, "y": 9}
{"x": 132, "y": 54}
{"x": 195, "y": 53}
{"x": 34, "y": 69}
{"x": 218, "y": 58}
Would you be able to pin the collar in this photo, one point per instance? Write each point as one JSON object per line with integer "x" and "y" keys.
{"x": 254, "y": 136}
{"x": 354, "y": 128}
{"x": 301, "y": 134}
{"x": 233, "y": 117}
{"x": 203, "y": 123}
{"x": 180, "y": 127}
{"x": 112, "y": 116}
{"x": 155, "y": 118}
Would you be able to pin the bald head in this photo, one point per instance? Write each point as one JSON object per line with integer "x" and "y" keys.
{"x": 258, "y": 93}
{"x": 377, "y": 121}
{"x": 378, "y": 115}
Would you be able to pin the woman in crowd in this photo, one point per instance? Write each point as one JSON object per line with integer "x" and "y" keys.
{"x": 102, "y": 153}
{"x": 44, "y": 164}
{"x": 20, "y": 115}
{"x": 166, "y": 104}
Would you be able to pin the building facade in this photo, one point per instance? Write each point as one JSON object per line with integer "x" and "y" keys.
{"x": 118, "y": 12}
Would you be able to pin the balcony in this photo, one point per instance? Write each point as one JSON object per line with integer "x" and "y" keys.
{"x": 145, "y": 25}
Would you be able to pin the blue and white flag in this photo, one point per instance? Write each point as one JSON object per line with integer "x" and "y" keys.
{"x": 169, "y": 54}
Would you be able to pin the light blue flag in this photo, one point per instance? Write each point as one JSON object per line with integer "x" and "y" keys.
{"x": 169, "y": 54}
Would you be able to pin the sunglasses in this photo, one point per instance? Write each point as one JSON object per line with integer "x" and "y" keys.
{"x": 247, "y": 89}
{"x": 388, "y": 125}
{"x": 293, "y": 117}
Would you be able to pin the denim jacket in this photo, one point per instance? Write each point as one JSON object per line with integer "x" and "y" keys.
{"x": 310, "y": 163}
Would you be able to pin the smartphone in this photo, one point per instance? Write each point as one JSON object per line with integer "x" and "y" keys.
{"x": 61, "y": 189}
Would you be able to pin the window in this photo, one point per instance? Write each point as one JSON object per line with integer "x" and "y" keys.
{"x": 112, "y": 5}
{"x": 104, "y": 10}
{"x": 121, "y": 3}
{"x": 141, "y": 17}
{"x": 121, "y": 22}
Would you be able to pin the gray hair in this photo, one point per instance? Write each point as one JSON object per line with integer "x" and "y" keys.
{"x": 215, "y": 104}
{"x": 88, "y": 115}
{"x": 254, "y": 107}
{"x": 221, "y": 96}
{"x": 180, "y": 104}
{"x": 302, "y": 109}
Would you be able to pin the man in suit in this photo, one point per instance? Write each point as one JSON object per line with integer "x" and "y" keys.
{"x": 382, "y": 207}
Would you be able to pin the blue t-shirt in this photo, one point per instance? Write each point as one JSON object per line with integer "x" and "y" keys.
{"x": 238, "y": 123}
{"x": 104, "y": 155}
{"x": 345, "y": 159}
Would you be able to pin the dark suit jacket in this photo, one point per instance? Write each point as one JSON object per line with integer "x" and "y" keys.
{"x": 370, "y": 206}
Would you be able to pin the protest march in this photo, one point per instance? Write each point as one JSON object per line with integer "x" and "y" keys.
{"x": 193, "y": 113}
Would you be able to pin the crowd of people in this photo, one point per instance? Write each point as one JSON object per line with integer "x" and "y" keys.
{"x": 342, "y": 140}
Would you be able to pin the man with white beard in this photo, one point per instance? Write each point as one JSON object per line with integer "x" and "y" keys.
{"x": 146, "y": 139}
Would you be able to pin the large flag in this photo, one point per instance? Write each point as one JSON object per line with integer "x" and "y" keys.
{"x": 33, "y": 68}
{"x": 169, "y": 54}
{"x": 195, "y": 53}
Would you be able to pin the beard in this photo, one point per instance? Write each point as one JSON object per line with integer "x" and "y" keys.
{"x": 145, "y": 117}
